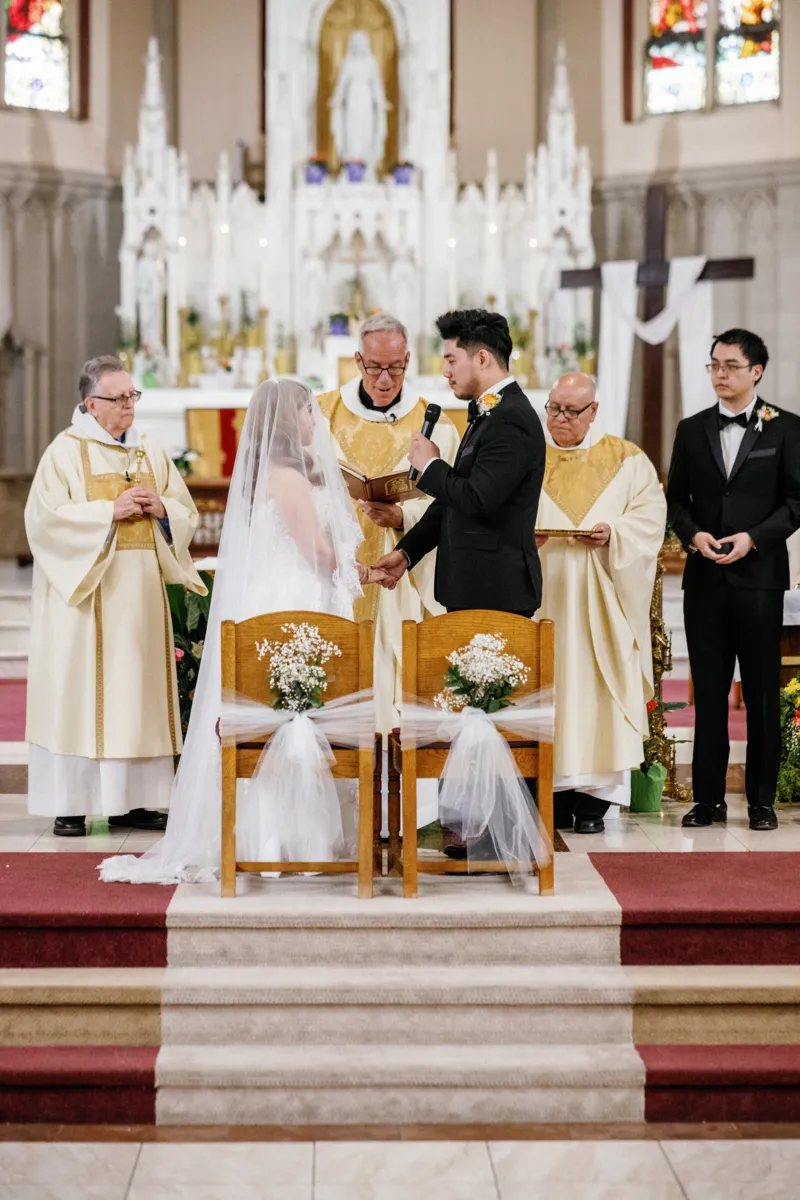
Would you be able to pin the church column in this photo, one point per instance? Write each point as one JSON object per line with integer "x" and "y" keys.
{"x": 786, "y": 235}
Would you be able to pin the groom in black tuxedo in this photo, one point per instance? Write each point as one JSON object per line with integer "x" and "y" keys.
{"x": 483, "y": 517}
{"x": 734, "y": 499}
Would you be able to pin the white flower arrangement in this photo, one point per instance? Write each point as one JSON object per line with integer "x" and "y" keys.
{"x": 481, "y": 675}
{"x": 296, "y": 670}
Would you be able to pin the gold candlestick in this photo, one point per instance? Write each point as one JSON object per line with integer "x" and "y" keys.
{"x": 533, "y": 378}
{"x": 263, "y": 326}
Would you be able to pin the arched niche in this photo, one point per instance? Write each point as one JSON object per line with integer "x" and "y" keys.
{"x": 342, "y": 18}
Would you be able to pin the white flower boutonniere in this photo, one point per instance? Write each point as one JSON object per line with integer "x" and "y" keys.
{"x": 765, "y": 413}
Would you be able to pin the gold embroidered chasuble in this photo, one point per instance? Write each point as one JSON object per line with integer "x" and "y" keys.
{"x": 102, "y": 681}
{"x": 599, "y": 600}
{"x": 377, "y": 447}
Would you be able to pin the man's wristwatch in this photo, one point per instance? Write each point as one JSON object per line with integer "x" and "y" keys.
{"x": 405, "y": 556}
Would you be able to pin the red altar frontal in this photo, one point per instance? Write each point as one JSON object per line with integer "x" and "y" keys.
{"x": 213, "y": 436}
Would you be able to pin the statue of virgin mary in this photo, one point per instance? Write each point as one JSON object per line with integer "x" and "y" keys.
{"x": 359, "y": 105}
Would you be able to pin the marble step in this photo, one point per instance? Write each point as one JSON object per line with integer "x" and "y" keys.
{"x": 453, "y": 922}
{"x": 14, "y": 636}
{"x": 375, "y": 1084}
{"x": 13, "y": 664}
{"x": 397, "y": 1005}
{"x": 15, "y": 606}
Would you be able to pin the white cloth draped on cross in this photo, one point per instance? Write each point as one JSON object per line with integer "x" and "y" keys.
{"x": 689, "y": 306}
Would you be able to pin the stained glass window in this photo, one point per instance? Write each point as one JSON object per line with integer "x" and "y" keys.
{"x": 675, "y": 63}
{"x": 36, "y": 56}
{"x": 748, "y": 51}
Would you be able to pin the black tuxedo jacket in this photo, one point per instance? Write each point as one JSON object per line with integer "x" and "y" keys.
{"x": 484, "y": 513}
{"x": 760, "y": 497}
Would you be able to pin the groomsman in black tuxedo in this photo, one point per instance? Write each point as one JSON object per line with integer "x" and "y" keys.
{"x": 483, "y": 516}
{"x": 734, "y": 499}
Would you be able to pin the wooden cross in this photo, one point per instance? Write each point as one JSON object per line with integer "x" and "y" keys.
{"x": 653, "y": 277}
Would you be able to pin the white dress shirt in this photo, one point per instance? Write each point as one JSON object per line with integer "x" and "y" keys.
{"x": 731, "y": 436}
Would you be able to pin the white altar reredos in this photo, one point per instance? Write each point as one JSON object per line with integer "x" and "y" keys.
{"x": 362, "y": 211}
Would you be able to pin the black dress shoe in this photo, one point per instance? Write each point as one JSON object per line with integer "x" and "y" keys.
{"x": 140, "y": 818}
{"x": 762, "y": 816}
{"x": 70, "y": 827}
{"x": 589, "y": 825}
{"x": 703, "y": 815}
{"x": 482, "y": 850}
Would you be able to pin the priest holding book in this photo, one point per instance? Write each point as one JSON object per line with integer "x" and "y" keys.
{"x": 604, "y": 511}
{"x": 372, "y": 420}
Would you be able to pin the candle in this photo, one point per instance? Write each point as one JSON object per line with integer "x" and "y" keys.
{"x": 180, "y": 274}
{"x": 452, "y": 274}
{"x": 533, "y": 274}
{"x": 262, "y": 272}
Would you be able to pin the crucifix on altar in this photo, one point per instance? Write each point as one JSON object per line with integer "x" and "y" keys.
{"x": 653, "y": 277}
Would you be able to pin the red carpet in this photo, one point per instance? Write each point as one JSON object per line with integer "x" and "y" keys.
{"x": 55, "y": 912}
{"x": 78, "y": 1085}
{"x": 676, "y": 691}
{"x": 13, "y": 697}
{"x": 722, "y": 1083}
{"x": 706, "y": 908}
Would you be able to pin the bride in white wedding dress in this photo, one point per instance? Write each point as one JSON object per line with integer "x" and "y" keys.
{"x": 288, "y": 543}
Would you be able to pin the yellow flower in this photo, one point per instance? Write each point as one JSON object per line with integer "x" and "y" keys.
{"x": 489, "y": 401}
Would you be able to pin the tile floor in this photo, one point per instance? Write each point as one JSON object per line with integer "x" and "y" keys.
{"x": 540, "y": 1170}
{"x": 642, "y": 832}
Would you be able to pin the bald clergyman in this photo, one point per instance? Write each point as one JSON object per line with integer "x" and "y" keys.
{"x": 597, "y": 590}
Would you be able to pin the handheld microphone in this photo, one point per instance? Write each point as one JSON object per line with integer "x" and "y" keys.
{"x": 432, "y": 414}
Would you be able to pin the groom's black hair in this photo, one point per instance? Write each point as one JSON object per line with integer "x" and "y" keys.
{"x": 753, "y": 347}
{"x": 478, "y": 329}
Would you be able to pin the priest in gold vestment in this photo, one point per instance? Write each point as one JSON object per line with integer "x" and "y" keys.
{"x": 109, "y": 521}
{"x": 372, "y": 420}
{"x": 597, "y": 590}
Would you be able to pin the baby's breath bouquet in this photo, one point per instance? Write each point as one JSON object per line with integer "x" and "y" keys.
{"x": 297, "y": 673}
{"x": 481, "y": 675}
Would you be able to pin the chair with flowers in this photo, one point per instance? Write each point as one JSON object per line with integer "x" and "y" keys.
{"x": 513, "y": 661}
{"x": 273, "y": 672}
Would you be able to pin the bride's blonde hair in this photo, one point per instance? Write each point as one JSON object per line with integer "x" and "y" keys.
{"x": 275, "y": 406}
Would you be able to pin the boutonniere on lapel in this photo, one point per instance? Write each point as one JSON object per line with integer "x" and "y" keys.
{"x": 765, "y": 413}
{"x": 490, "y": 401}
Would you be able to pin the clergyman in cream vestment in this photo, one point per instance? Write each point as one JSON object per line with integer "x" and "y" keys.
{"x": 103, "y": 720}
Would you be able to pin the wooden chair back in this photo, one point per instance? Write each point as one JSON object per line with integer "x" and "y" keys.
{"x": 243, "y": 674}
{"x": 426, "y": 647}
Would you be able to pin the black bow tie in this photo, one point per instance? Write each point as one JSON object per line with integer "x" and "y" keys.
{"x": 473, "y": 412}
{"x": 739, "y": 419}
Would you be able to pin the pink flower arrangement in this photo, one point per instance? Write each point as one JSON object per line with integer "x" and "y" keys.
{"x": 179, "y": 655}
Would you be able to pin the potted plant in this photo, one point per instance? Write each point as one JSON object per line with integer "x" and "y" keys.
{"x": 339, "y": 324}
{"x": 189, "y": 614}
{"x": 356, "y": 169}
{"x": 788, "y": 789}
{"x": 403, "y": 172}
{"x": 647, "y": 784}
{"x": 316, "y": 169}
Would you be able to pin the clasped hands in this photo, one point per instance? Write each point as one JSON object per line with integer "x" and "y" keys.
{"x": 139, "y": 501}
{"x": 709, "y": 547}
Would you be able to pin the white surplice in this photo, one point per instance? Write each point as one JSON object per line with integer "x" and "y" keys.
{"x": 103, "y": 718}
{"x": 600, "y": 601}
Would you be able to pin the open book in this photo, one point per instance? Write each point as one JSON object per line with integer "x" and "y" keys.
{"x": 385, "y": 489}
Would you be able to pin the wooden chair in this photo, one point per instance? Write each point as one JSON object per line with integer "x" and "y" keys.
{"x": 425, "y": 650}
{"x": 244, "y": 675}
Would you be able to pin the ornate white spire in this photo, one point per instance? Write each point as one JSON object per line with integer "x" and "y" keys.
{"x": 151, "y": 151}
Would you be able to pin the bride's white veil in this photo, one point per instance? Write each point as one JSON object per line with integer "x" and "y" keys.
{"x": 275, "y": 554}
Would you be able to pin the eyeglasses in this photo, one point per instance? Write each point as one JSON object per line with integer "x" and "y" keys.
{"x": 571, "y": 414}
{"x": 395, "y": 371}
{"x": 726, "y": 368}
{"x": 130, "y": 398}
